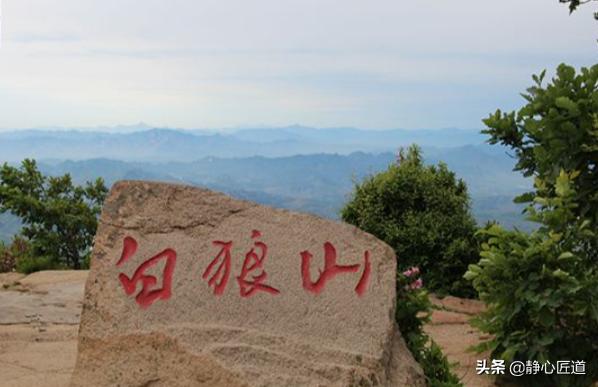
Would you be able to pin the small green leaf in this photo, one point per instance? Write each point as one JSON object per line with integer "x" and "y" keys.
{"x": 566, "y": 103}
{"x": 565, "y": 255}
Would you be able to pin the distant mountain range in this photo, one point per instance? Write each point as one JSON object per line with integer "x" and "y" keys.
{"x": 160, "y": 145}
{"x": 305, "y": 169}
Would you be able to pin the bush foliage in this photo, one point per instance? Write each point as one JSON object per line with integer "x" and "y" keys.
{"x": 60, "y": 218}
{"x": 542, "y": 288}
{"x": 556, "y": 130}
{"x": 13, "y": 255}
{"x": 413, "y": 311}
{"x": 423, "y": 213}
{"x": 7, "y": 259}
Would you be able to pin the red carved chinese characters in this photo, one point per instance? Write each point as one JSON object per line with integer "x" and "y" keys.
{"x": 149, "y": 292}
{"x": 253, "y": 262}
{"x": 364, "y": 281}
{"x": 249, "y": 284}
{"x": 223, "y": 272}
{"x": 251, "y": 280}
{"x": 331, "y": 270}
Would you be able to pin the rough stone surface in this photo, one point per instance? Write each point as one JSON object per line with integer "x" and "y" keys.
{"x": 43, "y": 353}
{"x": 9, "y": 279}
{"x": 39, "y": 319}
{"x": 329, "y": 337}
{"x": 459, "y": 305}
{"x": 50, "y": 297}
{"x": 450, "y": 328}
{"x": 32, "y": 355}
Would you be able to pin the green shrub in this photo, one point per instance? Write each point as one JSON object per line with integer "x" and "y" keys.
{"x": 59, "y": 217}
{"x": 542, "y": 289}
{"x": 26, "y": 261}
{"x": 11, "y": 255}
{"x": 413, "y": 311}
{"x": 86, "y": 262}
{"x": 28, "y": 265}
{"x": 19, "y": 256}
{"x": 7, "y": 260}
{"x": 423, "y": 213}
{"x": 437, "y": 368}
{"x": 413, "y": 305}
{"x": 557, "y": 129}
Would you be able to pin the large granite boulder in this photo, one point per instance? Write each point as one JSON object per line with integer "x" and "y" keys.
{"x": 190, "y": 287}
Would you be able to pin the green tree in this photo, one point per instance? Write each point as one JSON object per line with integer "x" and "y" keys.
{"x": 574, "y": 4}
{"x": 556, "y": 130}
{"x": 60, "y": 218}
{"x": 542, "y": 288}
{"x": 413, "y": 311}
{"x": 423, "y": 213}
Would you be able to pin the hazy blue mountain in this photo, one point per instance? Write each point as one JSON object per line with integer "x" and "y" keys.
{"x": 310, "y": 170}
{"x": 160, "y": 145}
{"x": 150, "y": 145}
{"x": 318, "y": 183}
{"x": 367, "y": 140}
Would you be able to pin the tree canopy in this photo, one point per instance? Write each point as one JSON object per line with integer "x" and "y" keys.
{"x": 557, "y": 129}
{"x": 423, "y": 213}
{"x": 59, "y": 217}
{"x": 574, "y": 4}
{"x": 542, "y": 288}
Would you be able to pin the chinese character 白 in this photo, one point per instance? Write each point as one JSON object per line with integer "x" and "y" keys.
{"x": 149, "y": 293}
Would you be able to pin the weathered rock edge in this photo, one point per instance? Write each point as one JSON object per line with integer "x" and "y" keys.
{"x": 118, "y": 346}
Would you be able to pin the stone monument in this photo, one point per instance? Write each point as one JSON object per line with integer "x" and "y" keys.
{"x": 189, "y": 287}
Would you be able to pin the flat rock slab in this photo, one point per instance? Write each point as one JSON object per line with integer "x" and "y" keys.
{"x": 33, "y": 357}
{"x": 49, "y": 297}
{"x": 9, "y": 279}
{"x": 192, "y": 287}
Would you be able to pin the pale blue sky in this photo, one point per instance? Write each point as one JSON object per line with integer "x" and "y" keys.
{"x": 324, "y": 63}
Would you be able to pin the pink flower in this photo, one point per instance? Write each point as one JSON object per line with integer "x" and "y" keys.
{"x": 417, "y": 284}
{"x": 411, "y": 272}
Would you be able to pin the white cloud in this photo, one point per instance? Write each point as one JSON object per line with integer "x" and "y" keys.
{"x": 319, "y": 62}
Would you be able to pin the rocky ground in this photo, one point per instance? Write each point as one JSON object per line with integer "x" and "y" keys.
{"x": 39, "y": 317}
{"x": 451, "y": 330}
